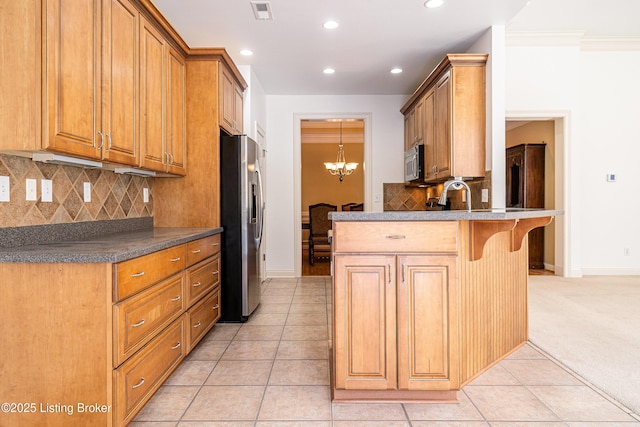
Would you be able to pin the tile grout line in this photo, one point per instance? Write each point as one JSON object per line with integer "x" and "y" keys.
{"x": 586, "y": 383}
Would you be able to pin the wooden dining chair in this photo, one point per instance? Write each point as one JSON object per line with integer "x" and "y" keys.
{"x": 319, "y": 226}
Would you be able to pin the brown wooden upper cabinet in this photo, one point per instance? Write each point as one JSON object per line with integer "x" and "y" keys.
{"x": 112, "y": 85}
{"x": 231, "y": 103}
{"x": 449, "y": 110}
{"x": 91, "y": 79}
{"x": 162, "y": 104}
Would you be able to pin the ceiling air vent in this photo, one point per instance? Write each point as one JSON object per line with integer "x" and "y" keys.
{"x": 262, "y": 10}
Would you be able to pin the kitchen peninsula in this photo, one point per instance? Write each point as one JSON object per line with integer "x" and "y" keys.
{"x": 423, "y": 302}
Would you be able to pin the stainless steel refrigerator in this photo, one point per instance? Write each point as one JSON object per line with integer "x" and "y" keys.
{"x": 242, "y": 220}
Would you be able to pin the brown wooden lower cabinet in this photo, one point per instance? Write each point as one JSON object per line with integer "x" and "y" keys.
{"x": 394, "y": 324}
{"x": 89, "y": 343}
{"x": 421, "y": 308}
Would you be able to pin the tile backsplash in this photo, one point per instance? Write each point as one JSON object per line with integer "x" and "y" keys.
{"x": 113, "y": 196}
{"x": 397, "y": 197}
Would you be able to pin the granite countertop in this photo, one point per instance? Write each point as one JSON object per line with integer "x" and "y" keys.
{"x": 113, "y": 247}
{"x": 452, "y": 215}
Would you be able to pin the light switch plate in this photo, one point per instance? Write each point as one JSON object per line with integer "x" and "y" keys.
{"x": 47, "y": 190}
{"x": 87, "y": 192}
{"x": 485, "y": 195}
{"x": 5, "y": 190}
{"x": 32, "y": 191}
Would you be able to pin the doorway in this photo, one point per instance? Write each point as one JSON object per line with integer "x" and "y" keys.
{"x": 297, "y": 159}
{"x": 321, "y": 141}
{"x": 552, "y": 128}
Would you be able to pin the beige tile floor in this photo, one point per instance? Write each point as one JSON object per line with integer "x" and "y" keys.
{"x": 274, "y": 371}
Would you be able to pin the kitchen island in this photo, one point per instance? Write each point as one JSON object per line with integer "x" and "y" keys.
{"x": 424, "y": 302}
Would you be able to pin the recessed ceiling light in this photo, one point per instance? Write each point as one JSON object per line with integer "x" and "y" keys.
{"x": 328, "y": 71}
{"x": 246, "y": 52}
{"x": 433, "y": 3}
{"x": 396, "y": 70}
{"x": 330, "y": 25}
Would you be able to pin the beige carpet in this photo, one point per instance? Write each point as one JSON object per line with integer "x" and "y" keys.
{"x": 592, "y": 326}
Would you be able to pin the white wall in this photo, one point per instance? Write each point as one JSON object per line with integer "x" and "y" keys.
{"x": 493, "y": 42}
{"x": 387, "y": 145}
{"x": 254, "y": 103}
{"x": 610, "y": 143}
{"x": 596, "y": 94}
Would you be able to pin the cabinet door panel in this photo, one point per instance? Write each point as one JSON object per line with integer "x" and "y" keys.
{"x": 426, "y": 322}
{"x": 120, "y": 83}
{"x": 443, "y": 125}
{"x": 73, "y": 77}
{"x": 152, "y": 75}
{"x": 365, "y": 322}
{"x": 176, "y": 133}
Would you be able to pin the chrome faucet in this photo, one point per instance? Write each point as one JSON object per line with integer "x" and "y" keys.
{"x": 456, "y": 183}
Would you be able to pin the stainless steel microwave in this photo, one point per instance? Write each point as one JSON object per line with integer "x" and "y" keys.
{"x": 414, "y": 164}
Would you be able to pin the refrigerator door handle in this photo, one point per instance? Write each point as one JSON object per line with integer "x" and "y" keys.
{"x": 260, "y": 209}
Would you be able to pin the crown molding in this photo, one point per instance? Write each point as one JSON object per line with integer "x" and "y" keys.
{"x": 610, "y": 43}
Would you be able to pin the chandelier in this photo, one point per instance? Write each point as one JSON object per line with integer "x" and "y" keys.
{"x": 340, "y": 167}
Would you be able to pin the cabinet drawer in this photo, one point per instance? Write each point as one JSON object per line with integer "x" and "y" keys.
{"x": 200, "y": 249}
{"x": 418, "y": 236}
{"x": 138, "y": 273}
{"x": 136, "y": 319}
{"x": 203, "y": 316}
{"x": 201, "y": 278}
{"x": 140, "y": 376}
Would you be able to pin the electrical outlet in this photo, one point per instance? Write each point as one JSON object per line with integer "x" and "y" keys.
{"x": 47, "y": 190}
{"x": 485, "y": 195}
{"x": 5, "y": 190}
{"x": 145, "y": 195}
{"x": 87, "y": 192}
{"x": 626, "y": 252}
{"x": 377, "y": 198}
{"x": 32, "y": 191}
{"x": 464, "y": 196}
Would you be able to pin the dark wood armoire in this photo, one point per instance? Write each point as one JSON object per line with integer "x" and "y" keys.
{"x": 525, "y": 189}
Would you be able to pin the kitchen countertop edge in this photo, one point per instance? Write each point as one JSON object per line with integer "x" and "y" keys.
{"x": 452, "y": 215}
{"x": 108, "y": 248}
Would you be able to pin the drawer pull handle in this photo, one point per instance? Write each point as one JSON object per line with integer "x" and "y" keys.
{"x": 139, "y": 384}
{"x": 215, "y": 244}
{"x": 197, "y": 251}
{"x": 176, "y": 346}
{"x": 216, "y": 272}
{"x": 175, "y": 259}
{"x": 395, "y": 236}
{"x": 389, "y": 271}
{"x": 197, "y": 325}
{"x": 176, "y": 298}
{"x": 140, "y": 323}
{"x": 138, "y": 274}
{"x": 195, "y": 285}
{"x": 215, "y": 307}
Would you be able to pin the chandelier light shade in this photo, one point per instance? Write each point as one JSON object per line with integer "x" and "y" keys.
{"x": 340, "y": 167}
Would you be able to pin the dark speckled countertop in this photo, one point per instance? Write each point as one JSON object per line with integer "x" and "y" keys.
{"x": 109, "y": 247}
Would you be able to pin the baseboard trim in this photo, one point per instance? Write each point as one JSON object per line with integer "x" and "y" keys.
{"x": 610, "y": 272}
{"x": 280, "y": 273}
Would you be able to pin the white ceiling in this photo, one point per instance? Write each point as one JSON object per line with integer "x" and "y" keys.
{"x": 374, "y": 36}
